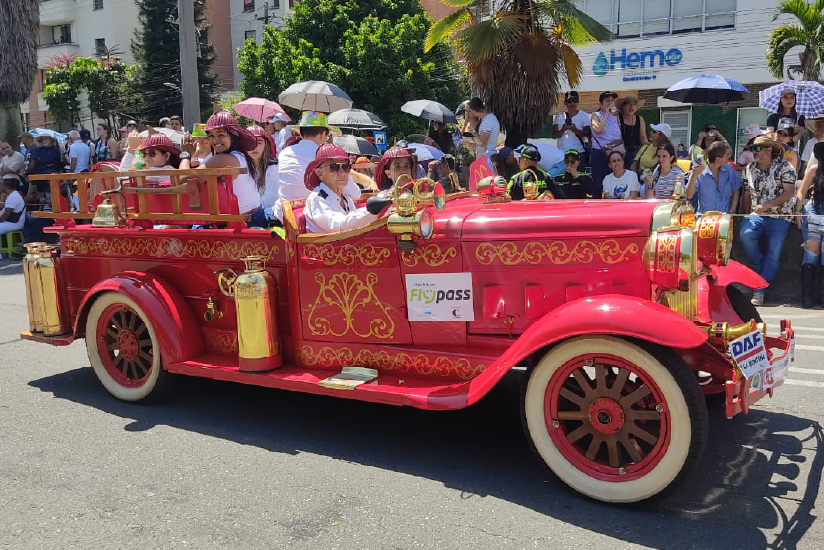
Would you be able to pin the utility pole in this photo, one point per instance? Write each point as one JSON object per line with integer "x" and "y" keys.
{"x": 265, "y": 17}
{"x": 190, "y": 89}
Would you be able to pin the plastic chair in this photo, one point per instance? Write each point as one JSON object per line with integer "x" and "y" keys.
{"x": 11, "y": 241}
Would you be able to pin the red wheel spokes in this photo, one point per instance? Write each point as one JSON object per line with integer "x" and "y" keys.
{"x": 125, "y": 345}
{"x": 607, "y": 417}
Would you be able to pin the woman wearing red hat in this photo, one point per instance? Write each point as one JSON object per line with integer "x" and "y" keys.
{"x": 266, "y": 167}
{"x": 231, "y": 144}
{"x": 159, "y": 153}
{"x": 329, "y": 209}
{"x": 396, "y": 161}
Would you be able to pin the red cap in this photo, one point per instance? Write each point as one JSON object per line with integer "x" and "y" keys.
{"x": 224, "y": 120}
{"x": 327, "y": 151}
{"x": 160, "y": 142}
{"x": 258, "y": 131}
{"x": 395, "y": 152}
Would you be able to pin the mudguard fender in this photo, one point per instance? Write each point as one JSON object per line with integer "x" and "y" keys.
{"x": 612, "y": 314}
{"x": 177, "y": 328}
{"x": 735, "y": 272}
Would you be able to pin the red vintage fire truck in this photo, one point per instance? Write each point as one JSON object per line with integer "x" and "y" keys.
{"x": 617, "y": 314}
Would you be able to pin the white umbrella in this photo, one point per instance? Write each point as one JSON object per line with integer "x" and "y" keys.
{"x": 356, "y": 119}
{"x": 425, "y": 152}
{"x": 174, "y": 135}
{"x": 315, "y": 95}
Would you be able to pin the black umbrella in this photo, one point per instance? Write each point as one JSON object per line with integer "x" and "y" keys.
{"x": 356, "y": 146}
{"x": 356, "y": 119}
{"x": 706, "y": 88}
{"x": 429, "y": 110}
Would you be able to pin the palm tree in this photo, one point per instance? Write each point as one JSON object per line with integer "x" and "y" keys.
{"x": 808, "y": 33}
{"x": 20, "y": 21}
{"x": 517, "y": 53}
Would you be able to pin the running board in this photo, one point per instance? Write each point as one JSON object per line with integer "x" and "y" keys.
{"x": 386, "y": 388}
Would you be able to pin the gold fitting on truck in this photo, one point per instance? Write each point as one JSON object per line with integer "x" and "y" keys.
{"x": 721, "y": 334}
{"x": 254, "y": 294}
{"x": 47, "y": 274}
{"x": 34, "y": 300}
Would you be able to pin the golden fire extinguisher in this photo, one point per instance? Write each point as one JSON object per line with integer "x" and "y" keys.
{"x": 46, "y": 269}
{"x": 254, "y": 294}
{"x": 34, "y": 301}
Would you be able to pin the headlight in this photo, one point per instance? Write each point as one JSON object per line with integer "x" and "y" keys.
{"x": 426, "y": 223}
{"x": 673, "y": 213}
{"x": 669, "y": 258}
{"x": 713, "y": 236}
{"x": 422, "y": 224}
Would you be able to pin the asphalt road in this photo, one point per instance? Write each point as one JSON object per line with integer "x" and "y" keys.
{"x": 221, "y": 465}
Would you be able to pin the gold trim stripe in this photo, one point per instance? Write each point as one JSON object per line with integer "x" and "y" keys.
{"x": 163, "y": 247}
{"x": 556, "y": 252}
{"x": 331, "y": 255}
{"x": 431, "y": 255}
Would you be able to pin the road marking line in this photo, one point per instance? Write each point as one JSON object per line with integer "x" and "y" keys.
{"x": 819, "y": 336}
{"x": 811, "y": 329}
{"x": 806, "y": 347}
{"x": 807, "y": 371}
{"x": 786, "y": 316}
{"x": 805, "y": 383}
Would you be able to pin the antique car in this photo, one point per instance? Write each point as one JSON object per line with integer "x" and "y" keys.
{"x": 617, "y": 315}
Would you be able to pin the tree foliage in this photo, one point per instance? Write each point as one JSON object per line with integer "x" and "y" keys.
{"x": 104, "y": 80}
{"x": 156, "y": 48}
{"x": 519, "y": 54}
{"x": 20, "y": 24}
{"x": 373, "y": 49}
{"x": 808, "y": 34}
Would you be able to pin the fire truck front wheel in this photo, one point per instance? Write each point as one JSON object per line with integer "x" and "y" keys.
{"x": 123, "y": 349}
{"x": 615, "y": 420}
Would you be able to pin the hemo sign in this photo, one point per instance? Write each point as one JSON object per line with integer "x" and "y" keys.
{"x": 648, "y": 59}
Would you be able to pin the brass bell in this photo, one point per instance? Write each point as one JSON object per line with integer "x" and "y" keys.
{"x": 107, "y": 214}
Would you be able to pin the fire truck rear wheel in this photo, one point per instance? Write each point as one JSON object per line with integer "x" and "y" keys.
{"x": 123, "y": 350}
{"x": 615, "y": 420}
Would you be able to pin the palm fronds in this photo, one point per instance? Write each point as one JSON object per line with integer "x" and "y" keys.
{"x": 20, "y": 21}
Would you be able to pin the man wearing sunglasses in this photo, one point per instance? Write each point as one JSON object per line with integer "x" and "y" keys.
{"x": 574, "y": 183}
{"x": 329, "y": 208}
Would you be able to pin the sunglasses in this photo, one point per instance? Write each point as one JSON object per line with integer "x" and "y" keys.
{"x": 757, "y": 148}
{"x": 151, "y": 153}
{"x": 335, "y": 166}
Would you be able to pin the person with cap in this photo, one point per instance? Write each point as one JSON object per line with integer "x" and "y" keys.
{"x": 396, "y": 162}
{"x": 572, "y": 127}
{"x": 706, "y": 137}
{"x": 529, "y": 157}
{"x": 504, "y": 163}
{"x": 647, "y": 156}
{"x": 79, "y": 153}
{"x": 231, "y": 144}
{"x": 293, "y": 160}
{"x": 482, "y": 124}
{"x": 266, "y": 169}
{"x": 633, "y": 127}
{"x": 783, "y": 135}
{"x": 786, "y": 109}
{"x": 606, "y": 135}
{"x": 573, "y": 183}
{"x": 280, "y": 131}
{"x": 158, "y": 153}
{"x": 816, "y": 126}
{"x": 812, "y": 229}
{"x": 769, "y": 187}
{"x": 329, "y": 207}
{"x": 715, "y": 182}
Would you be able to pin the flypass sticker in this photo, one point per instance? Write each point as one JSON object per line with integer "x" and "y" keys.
{"x": 440, "y": 297}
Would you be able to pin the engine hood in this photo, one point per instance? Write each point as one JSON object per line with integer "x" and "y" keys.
{"x": 558, "y": 219}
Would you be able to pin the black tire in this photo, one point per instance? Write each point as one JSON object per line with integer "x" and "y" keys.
{"x": 742, "y": 305}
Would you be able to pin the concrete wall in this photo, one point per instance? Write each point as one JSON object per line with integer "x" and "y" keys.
{"x": 218, "y": 12}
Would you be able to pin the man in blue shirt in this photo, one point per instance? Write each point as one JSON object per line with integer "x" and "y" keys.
{"x": 715, "y": 181}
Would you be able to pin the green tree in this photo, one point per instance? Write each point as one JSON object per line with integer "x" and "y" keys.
{"x": 807, "y": 33}
{"x": 20, "y": 21}
{"x": 156, "y": 48}
{"x": 63, "y": 85}
{"x": 518, "y": 54}
{"x": 370, "y": 48}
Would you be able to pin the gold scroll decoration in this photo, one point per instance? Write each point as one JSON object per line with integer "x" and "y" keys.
{"x": 401, "y": 362}
{"x": 366, "y": 255}
{"x": 221, "y": 342}
{"x": 164, "y": 247}
{"x": 667, "y": 252}
{"x": 431, "y": 255}
{"x": 350, "y": 294}
{"x": 609, "y": 251}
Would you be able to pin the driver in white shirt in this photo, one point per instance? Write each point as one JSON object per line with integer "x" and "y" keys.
{"x": 329, "y": 208}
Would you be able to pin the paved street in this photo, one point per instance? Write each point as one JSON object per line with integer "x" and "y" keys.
{"x": 220, "y": 465}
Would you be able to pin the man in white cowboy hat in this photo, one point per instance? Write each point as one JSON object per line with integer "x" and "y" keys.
{"x": 816, "y": 126}
{"x": 278, "y": 129}
{"x": 769, "y": 186}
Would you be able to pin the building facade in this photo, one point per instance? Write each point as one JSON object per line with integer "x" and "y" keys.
{"x": 659, "y": 42}
{"x": 248, "y": 18}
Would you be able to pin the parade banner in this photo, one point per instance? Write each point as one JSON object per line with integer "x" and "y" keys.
{"x": 439, "y": 297}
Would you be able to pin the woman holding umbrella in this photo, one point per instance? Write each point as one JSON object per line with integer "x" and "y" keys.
{"x": 787, "y": 110}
